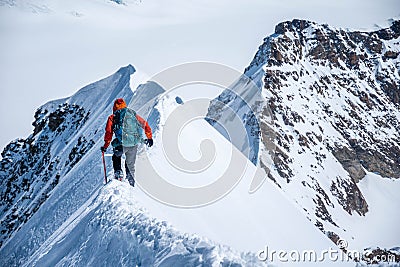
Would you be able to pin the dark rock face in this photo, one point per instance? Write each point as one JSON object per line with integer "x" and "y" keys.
{"x": 384, "y": 161}
{"x": 78, "y": 151}
{"x": 392, "y": 32}
{"x": 29, "y": 172}
{"x": 350, "y": 162}
{"x": 297, "y": 24}
{"x": 352, "y": 200}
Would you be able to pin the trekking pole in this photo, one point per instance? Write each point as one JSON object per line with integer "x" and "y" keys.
{"x": 104, "y": 165}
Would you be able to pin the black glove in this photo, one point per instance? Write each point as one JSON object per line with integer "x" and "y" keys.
{"x": 149, "y": 142}
{"x": 103, "y": 149}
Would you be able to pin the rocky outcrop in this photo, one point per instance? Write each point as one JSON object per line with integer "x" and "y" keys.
{"x": 350, "y": 162}
{"x": 29, "y": 170}
{"x": 349, "y": 196}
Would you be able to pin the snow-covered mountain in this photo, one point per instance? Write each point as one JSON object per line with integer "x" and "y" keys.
{"x": 334, "y": 97}
{"x": 336, "y": 141}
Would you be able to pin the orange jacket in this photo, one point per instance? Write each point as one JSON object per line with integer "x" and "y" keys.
{"x": 120, "y": 104}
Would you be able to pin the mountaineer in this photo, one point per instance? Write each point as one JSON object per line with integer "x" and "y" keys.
{"x": 127, "y": 126}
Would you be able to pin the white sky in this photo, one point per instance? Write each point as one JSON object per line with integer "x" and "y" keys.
{"x": 45, "y": 56}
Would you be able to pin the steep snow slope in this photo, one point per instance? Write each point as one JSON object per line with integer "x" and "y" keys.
{"x": 334, "y": 95}
{"x": 239, "y": 219}
{"x": 112, "y": 229}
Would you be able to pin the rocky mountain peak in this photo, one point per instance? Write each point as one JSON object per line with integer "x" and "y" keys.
{"x": 334, "y": 93}
{"x": 334, "y": 96}
{"x": 128, "y": 70}
{"x": 360, "y": 63}
{"x": 292, "y": 26}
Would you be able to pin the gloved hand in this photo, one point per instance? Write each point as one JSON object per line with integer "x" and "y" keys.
{"x": 149, "y": 142}
{"x": 104, "y": 147}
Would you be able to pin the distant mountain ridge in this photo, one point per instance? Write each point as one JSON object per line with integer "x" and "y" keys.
{"x": 47, "y": 7}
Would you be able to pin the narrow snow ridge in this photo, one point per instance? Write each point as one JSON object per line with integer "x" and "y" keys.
{"x": 113, "y": 221}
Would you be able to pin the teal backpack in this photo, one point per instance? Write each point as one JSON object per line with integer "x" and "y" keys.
{"x": 126, "y": 128}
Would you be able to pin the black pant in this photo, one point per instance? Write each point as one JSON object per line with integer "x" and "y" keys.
{"x": 130, "y": 153}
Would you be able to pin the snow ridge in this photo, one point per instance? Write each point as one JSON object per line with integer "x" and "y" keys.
{"x": 115, "y": 231}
